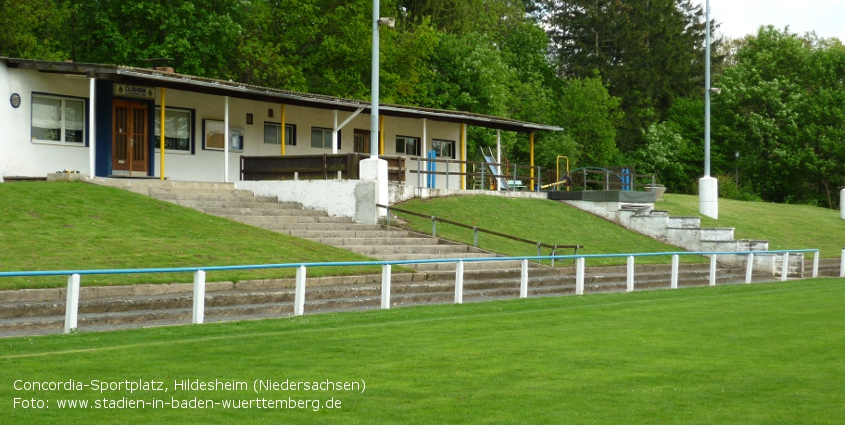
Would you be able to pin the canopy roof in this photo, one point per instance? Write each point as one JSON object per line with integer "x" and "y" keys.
{"x": 159, "y": 78}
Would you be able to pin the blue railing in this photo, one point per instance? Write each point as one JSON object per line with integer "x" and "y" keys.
{"x": 74, "y": 276}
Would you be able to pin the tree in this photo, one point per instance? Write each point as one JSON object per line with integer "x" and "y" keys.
{"x": 32, "y": 29}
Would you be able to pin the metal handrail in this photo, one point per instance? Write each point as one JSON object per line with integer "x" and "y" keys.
{"x": 476, "y": 229}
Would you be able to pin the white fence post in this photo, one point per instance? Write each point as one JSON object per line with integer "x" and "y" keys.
{"x": 579, "y": 276}
{"x": 785, "y": 269}
{"x": 842, "y": 264}
{"x": 630, "y": 273}
{"x": 816, "y": 264}
{"x": 674, "y": 284}
{"x": 713, "y": 270}
{"x": 72, "y": 306}
{"x": 523, "y": 280}
{"x": 299, "y": 296}
{"x": 749, "y": 269}
{"x": 199, "y": 296}
{"x": 459, "y": 283}
{"x": 385, "y": 286}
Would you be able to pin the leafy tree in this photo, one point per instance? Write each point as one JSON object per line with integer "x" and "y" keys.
{"x": 32, "y": 29}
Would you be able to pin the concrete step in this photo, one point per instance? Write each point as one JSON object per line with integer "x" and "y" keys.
{"x": 239, "y": 204}
{"x": 345, "y": 234}
{"x": 345, "y": 243}
{"x": 291, "y": 219}
{"x": 323, "y": 227}
{"x": 427, "y": 248}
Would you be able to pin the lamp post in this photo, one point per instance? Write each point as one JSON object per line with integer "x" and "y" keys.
{"x": 708, "y": 187}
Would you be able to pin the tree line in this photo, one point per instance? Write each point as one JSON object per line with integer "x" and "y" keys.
{"x": 624, "y": 78}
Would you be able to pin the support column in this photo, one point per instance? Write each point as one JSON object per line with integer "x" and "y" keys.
{"x": 381, "y": 135}
{"x": 91, "y": 128}
{"x": 226, "y": 140}
{"x": 531, "y": 163}
{"x": 424, "y": 152}
{"x": 498, "y": 157}
{"x": 334, "y": 134}
{"x": 161, "y": 127}
{"x": 463, "y": 156}
{"x": 282, "y": 116}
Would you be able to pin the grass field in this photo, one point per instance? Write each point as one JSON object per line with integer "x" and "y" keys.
{"x": 736, "y": 354}
{"x": 784, "y": 226}
{"x": 63, "y": 226}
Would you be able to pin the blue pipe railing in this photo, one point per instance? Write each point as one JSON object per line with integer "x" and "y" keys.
{"x": 74, "y": 276}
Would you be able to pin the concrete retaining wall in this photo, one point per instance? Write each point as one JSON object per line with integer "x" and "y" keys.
{"x": 339, "y": 198}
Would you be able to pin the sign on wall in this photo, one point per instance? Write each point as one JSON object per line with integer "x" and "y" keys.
{"x": 134, "y": 91}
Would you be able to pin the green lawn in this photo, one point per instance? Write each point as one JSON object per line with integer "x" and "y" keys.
{"x": 533, "y": 219}
{"x": 784, "y": 226}
{"x": 61, "y": 226}
{"x": 735, "y": 354}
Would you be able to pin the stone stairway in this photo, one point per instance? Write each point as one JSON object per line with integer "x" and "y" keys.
{"x": 375, "y": 241}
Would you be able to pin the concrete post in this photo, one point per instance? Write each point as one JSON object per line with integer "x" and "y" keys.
{"x": 72, "y": 306}
{"x": 713, "y": 270}
{"x": 842, "y": 264}
{"x": 674, "y": 284}
{"x": 299, "y": 296}
{"x": 630, "y": 286}
{"x": 749, "y": 269}
{"x": 385, "y": 286}
{"x": 459, "y": 283}
{"x": 523, "y": 280}
{"x": 199, "y": 297}
{"x": 785, "y": 268}
{"x": 579, "y": 276}
{"x": 816, "y": 264}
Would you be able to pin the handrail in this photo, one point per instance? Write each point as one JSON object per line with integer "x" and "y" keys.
{"x": 477, "y": 229}
{"x": 198, "y": 314}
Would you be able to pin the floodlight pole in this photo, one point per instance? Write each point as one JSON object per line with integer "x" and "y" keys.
{"x": 708, "y": 187}
{"x": 375, "y": 83}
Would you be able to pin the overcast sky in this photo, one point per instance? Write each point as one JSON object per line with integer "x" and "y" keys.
{"x": 741, "y": 17}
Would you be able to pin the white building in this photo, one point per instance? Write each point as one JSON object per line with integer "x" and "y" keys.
{"x": 104, "y": 120}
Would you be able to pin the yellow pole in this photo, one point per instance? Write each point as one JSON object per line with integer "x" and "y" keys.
{"x": 282, "y": 115}
{"x": 531, "y": 154}
{"x": 381, "y": 135}
{"x": 463, "y": 156}
{"x": 161, "y": 138}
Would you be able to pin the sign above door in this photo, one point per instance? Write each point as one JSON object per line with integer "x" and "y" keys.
{"x": 134, "y": 91}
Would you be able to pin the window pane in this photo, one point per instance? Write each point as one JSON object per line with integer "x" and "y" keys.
{"x": 74, "y": 121}
{"x": 289, "y": 137}
{"x": 316, "y": 138}
{"x": 271, "y": 134}
{"x": 177, "y": 129}
{"x": 327, "y": 139}
{"x": 400, "y": 145}
{"x": 46, "y": 119}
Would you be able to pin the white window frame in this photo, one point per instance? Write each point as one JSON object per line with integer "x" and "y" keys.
{"x": 63, "y": 99}
{"x": 157, "y": 137}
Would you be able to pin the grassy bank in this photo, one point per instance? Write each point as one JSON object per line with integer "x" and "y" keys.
{"x": 784, "y": 226}
{"x": 61, "y": 226}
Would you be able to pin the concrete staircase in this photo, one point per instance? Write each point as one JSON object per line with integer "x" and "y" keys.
{"x": 375, "y": 241}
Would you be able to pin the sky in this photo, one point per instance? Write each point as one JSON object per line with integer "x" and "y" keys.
{"x": 741, "y": 17}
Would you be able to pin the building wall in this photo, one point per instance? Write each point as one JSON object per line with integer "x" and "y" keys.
{"x": 31, "y": 159}
{"x": 21, "y": 156}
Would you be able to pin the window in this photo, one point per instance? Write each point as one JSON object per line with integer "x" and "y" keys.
{"x": 178, "y": 129}
{"x": 444, "y": 148}
{"x": 408, "y": 145}
{"x": 272, "y": 135}
{"x": 322, "y": 138}
{"x": 58, "y": 119}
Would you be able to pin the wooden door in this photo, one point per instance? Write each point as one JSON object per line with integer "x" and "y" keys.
{"x": 130, "y": 142}
{"x": 362, "y": 141}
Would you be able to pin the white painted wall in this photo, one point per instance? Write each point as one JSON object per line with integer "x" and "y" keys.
{"x": 21, "y": 156}
{"x": 339, "y": 198}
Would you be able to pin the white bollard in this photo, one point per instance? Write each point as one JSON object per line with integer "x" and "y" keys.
{"x": 579, "y": 276}
{"x": 749, "y": 269}
{"x": 630, "y": 274}
{"x": 199, "y": 297}
{"x": 785, "y": 269}
{"x": 72, "y": 306}
{"x": 674, "y": 284}
{"x": 523, "y": 280}
{"x": 459, "y": 283}
{"x": 299, "y": 296}
{"x": 385, "y": 286}
{"x": 713, "y": 270}
{"x": 816, "y": 264}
